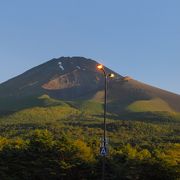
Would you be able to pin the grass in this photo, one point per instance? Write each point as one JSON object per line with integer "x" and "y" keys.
{"x": 15, "y": 105}
{"x": 153, "y": 105}
{"x": 90, "y": 107}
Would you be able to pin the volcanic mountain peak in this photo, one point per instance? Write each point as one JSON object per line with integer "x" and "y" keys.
{"x": 63, "y": 73}
{"x": 75, "y": 78}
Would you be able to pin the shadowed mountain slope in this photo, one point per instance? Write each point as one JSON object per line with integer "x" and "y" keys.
{"x": 77, "y": 79}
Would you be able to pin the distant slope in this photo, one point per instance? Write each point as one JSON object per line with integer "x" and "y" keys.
{"x": 124, "y": 93}
{"x": 152, "y": 105}
{"x": 77, "y": 80}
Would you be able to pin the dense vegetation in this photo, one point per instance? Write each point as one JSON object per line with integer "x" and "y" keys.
{"x": 62, "y": 142}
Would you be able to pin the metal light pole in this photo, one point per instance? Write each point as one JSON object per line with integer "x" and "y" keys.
{"x": 103, "y": 149}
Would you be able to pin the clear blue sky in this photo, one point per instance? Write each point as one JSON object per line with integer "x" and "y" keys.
{"x": 139, "y": 38}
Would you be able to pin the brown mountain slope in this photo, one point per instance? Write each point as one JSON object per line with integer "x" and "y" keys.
{"x": 77, "y": 78}
{"x": 131, "y": 91}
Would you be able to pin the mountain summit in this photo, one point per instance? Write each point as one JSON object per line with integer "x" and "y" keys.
{"x": 77, "y": 79}
{"x": 63, "y": 78}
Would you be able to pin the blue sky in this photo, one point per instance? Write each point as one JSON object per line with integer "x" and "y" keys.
{"x": 138, "y": 38}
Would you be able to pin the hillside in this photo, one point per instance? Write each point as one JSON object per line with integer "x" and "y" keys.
{"x": 57, "y": 141}
{"x": 77, "y": 79}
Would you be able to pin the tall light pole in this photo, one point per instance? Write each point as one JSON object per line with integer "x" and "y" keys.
{"x": 103, "y": 149}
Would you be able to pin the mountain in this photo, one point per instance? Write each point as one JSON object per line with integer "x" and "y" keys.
{"x": 52, "y": 125}
{"x": 77, "y": 82}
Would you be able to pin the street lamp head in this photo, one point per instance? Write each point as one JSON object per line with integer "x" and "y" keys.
{"x": 111, "y": 75}
{"x": 100, "y": 66}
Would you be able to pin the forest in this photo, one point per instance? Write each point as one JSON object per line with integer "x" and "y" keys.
{"x": 58, "y": 142}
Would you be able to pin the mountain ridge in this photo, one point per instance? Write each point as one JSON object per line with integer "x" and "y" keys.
{"x": 77, "y": 78}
